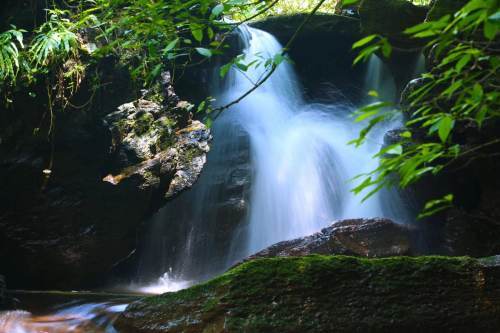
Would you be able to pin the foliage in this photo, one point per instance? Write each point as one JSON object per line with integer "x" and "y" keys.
{"x": 10, "y": 43}
{"x": 461, "y": 90}
{"x": 54, "y": 40}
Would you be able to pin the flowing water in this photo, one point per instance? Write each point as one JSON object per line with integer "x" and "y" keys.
{"x": 301, "y": 171}
{"x": 54, "y": 312}
{"x": 281, "y": 159}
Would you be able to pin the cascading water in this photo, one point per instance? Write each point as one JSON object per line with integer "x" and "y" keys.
{"x": 301, "y": 171}
{"x": 300, "y": 154}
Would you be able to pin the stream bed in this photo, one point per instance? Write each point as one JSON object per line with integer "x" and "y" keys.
{"x": 62, "y": 312}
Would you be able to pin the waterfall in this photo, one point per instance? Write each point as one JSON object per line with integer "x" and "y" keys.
{"x": 299, "y": 151}
{"x": 377, "y": 78}
{"x": 301, "y": 170}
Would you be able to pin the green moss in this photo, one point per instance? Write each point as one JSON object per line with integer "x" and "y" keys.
{"x": 143, "y": 123}
{"x": 165, "y": 127}
{"x": 329, "y": 293}
{"x": 123, "y": 126}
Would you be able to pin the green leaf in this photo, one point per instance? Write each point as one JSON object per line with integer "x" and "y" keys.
{"x": 278, "y": 59}
{"x": 209, "y": 122}
{"x": 225, "y": 69}
{"x": 204, "y": 52}
{"x": 364, "y": 41}
{"x": 197, "y": 32}
{"x": 434, "y": 206}
{"x": 405, "y": 134}
{"x": 444, "y": 128}
{"x": 170, "y": 46}
{"x": 366, "y": 115}
{"x": 477, "y": 93}
{"x": 395, "y": 150}
{"x": 349, "y": 2}
{"x": 495, "y": 17}
{"x": 386, "y": 48}
{"x": 490, "y": 29}
{"x": 462, "y": 62}
{"x": 217, "y": 10}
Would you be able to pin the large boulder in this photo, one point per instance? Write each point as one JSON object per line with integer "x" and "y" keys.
{"x": 331, "y": 294}
{"x": 71, "y": 203}
{"x": 361, "y": 237}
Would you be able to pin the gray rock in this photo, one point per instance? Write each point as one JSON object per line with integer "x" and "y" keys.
{"x": 361, "y": 237}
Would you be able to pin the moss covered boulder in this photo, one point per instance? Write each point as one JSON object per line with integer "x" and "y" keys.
{"x": 331, "y": 294}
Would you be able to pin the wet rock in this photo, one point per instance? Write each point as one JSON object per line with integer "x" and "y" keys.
{"x": 331, "y": 294}
{"x": 362, "y": 237}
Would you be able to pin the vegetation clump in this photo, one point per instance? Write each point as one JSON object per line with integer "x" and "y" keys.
{"x": 453, "y": 112}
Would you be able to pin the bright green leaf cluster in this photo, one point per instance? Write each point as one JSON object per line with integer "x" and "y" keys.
{"x": 460, "y": 90}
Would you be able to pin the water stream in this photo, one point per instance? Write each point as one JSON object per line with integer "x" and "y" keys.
{"x": 299, "y": 163}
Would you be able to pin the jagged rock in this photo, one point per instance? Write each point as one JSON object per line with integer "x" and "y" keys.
{"x": 362, "y": 237}
{"x": 331, "y": 294}
{"x": 145, "y": 143}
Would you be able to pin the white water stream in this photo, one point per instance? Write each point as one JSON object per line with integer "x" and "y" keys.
{"x": 303, "y": 164}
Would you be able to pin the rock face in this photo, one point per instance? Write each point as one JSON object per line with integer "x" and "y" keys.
{"x": 70, "y": 206}
{"x": 367, "y": 238}
{"x": 145, "y": 144}
{"x": 330, "y": 294}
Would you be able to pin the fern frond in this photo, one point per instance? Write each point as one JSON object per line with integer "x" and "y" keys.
{"x": 10, "y": 43}
{"x": 55, "y": 40}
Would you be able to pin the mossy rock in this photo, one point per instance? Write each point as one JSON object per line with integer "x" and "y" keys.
{"x": 143, "y": 123}
{"x": 330, "y": 294}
